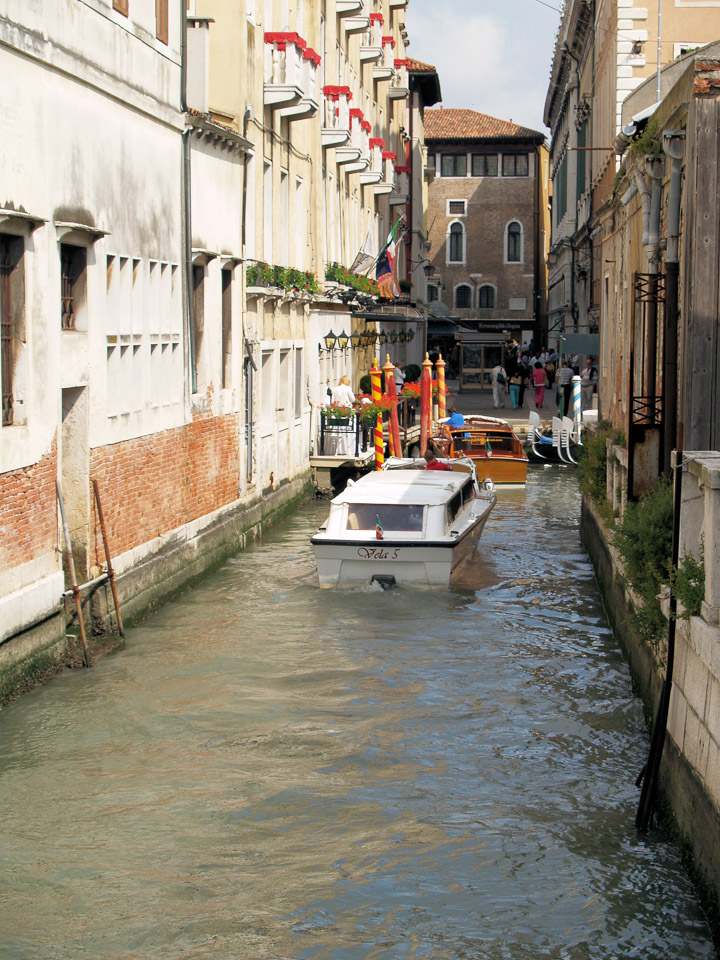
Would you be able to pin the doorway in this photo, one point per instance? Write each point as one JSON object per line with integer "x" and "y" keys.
{"x": 476, "y": 363}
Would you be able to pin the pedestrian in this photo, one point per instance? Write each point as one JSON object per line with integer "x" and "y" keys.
{"x": 524, "y": 374}
{"x": 342, "y": 393}
{"x": 498, "y": 378}
{"x": 515, "y": 384}
{"x": 540, "y": 381}
{"x": 432, "y": 463}
{"x": 399, "y": 376}
{"x": 589, "y": 379}
{"x": 566, "y": 376}
{"x": 550, "y": 370}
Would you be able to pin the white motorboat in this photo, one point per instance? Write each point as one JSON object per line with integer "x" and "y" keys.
{"x": 402, "y": 524}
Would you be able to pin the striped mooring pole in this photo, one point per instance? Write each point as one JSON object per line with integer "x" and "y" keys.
{"x": 394, "y": 426}
{"x": 376, "y": 381}
{"x": 440, "y": 367}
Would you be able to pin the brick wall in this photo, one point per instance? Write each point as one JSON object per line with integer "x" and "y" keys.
{"x": 154, "y": 484}
{"x": 28, "y": 511}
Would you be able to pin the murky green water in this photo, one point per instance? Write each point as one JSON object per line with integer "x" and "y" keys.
{"x": 271, "y": 770}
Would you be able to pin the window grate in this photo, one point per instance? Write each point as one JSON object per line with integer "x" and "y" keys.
{"x": 6, "y": 339}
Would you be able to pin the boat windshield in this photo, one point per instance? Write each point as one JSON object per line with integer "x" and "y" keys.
{"x": 476, "y": 443}
{"x": 365, "y": 516}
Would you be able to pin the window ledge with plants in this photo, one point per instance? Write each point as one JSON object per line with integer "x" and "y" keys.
{"x": 264, "y": 279}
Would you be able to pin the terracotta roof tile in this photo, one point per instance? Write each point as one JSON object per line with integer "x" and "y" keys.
{"x": 417, "y": 66}
{"x": 470, "y": 125}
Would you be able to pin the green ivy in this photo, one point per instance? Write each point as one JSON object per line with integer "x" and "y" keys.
{"x": 593, "y": 468}
{"x": 688, "y": 583}
{"x": 644, "y": 541}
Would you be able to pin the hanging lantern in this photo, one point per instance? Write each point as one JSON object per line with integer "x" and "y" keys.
{"x": 410, "y": 334}
{"x": 394, "y": 337}
{"x": 342, "y": 340}
{"x": 382, "y": 338}
{"x": 355, "y": 340}
{"x": 330, "y": 340}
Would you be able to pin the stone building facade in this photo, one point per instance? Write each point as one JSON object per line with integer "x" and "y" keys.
{"x": 487, "y": 209}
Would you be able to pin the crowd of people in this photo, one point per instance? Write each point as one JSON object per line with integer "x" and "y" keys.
{"x": 525, "y": 368}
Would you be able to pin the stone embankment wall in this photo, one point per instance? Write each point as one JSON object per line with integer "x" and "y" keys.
{"x": 690, "y": 771}
{"x": 146, "y": 576}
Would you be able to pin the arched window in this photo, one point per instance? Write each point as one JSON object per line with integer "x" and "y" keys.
{"x": 432, "y": 292}
{"x": 456, "y": 243}
{"x": 463, "y": 296}
{"x": 514, "y": 242}
{"x": 486, "y": 297}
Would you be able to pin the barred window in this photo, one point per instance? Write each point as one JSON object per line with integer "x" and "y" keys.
{"x": 73, "y": 262}
{"x": 515, "y": 165}
{"x": 463, "y": 297}
{"x": 486, "y": 297}
{"x": 453, "y": 165}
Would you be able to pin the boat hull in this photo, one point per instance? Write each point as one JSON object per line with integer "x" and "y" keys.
{"x": 422, "y": 563}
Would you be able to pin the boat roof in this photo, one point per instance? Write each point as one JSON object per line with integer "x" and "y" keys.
{"x": 419, "y": 487}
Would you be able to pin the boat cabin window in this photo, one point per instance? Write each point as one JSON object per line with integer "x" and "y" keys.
{"x": 454, "y": 506}
{"x": 468, "y": 492}
{"x": 365, "y": 516}
{"x": 476, "y": 444}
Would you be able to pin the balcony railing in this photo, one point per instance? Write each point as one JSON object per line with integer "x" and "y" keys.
{"x": 375, "y": 173}
{"x": 399, "y": 88}
{"x": 401, "y": 190}
{"x": 336, "y": 124}
{"x": 291, "y": 81}
{"x": 371, "y": 40}
{"x": 387, "y": 184}
{"x": 385, "y": 69}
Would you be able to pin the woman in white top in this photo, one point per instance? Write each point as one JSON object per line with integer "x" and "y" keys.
{"x": 342, "y": 393}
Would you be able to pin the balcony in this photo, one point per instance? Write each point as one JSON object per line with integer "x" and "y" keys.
{"x": 359, "y": 20}
{"x": 291, "y": 70}
{"x": 401, "y": 192}
{"x": 395, "y": 4}
{"x": 345, "y": 8}
{"x": 400, "y": 87}
{"x": 371, "y": 40}
{"x": 350, "y": 153}
{"x": 375, "y": 173}
{"x": 385, "y": 69}
{"x": 387, "y": 184}
{"x": 336, "y": 124}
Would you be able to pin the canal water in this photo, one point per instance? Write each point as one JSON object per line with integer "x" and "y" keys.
{"x": 273, "y": 771}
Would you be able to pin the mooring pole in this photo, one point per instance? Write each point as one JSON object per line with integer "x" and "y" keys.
{"x": 110, "y": 571}
{"x": 652, "y": 767}
{"x": 73, "y": 577}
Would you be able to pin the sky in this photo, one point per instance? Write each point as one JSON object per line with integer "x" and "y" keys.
{"x": 493, "y": 56}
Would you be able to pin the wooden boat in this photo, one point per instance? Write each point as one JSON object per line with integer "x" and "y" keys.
{"x": 402, "y": 524}
{"x": 491, "y": 444}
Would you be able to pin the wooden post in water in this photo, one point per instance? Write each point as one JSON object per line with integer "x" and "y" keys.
{"x": 108, "y": 561}
{"x": 442, "y": 407}
{"x": 425, "y": 403}
{"x": 375, "y": 380}
{"x": 73, "y": 576}
{"x": 391, "y": 390}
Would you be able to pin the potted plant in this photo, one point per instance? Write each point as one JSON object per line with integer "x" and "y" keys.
{"x": 338, "y": 413}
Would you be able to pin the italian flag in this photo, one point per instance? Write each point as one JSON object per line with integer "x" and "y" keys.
{"x": 378, "y": 528}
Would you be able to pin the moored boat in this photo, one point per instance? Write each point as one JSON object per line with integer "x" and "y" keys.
{"x": 402, "y": 524}
{"x": 496, "y": 451}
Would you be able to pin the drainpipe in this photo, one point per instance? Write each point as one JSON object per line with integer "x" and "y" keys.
{"x": 674, "y": 146}
{"x": 189, "y": 345}
{"x": 651, "y": 245}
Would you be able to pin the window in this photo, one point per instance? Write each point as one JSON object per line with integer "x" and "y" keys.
{"x": 453, "y": 165}
{"x": 463, "y": 296}
{"x": 560, "y": 191}
{"x": 391, "y": 517}
{"x": 486, "y": 297}
{"x": 432, "y": 292}
{"x": 298, "y": 382}
{"x": 581, "y": 161}
{"x": 161, "y": 20}
{"x": 457, "y": 208}
{"x": 121, "y": 6}
{"x": 456, "y": 243}
{"x": 73, "y": 261}
{"x": 12, "y": 327}
{"x": 267, "y": 213}
{"x": 226, "y": 308}
{"x": 484, "y": 165}
{"x": 514, "y": 243}
{"x": 515, "y": 165}
{"x": 198, "y": 322}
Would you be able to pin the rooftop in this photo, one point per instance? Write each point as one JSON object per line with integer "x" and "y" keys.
{"x": 470, "y": 125}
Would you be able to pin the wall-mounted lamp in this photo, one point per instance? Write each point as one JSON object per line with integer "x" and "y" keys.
{"x": 329, "y": 339}
{"x": 403, "y": 336}
{"x": 342, "y": 340}
{"x": 355, "y": 340}
{"x": 394, "y": 337}
{"x": 429, "y": 270}
{"x": 410, "y": 334}
{"x": 382, "y": 338}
